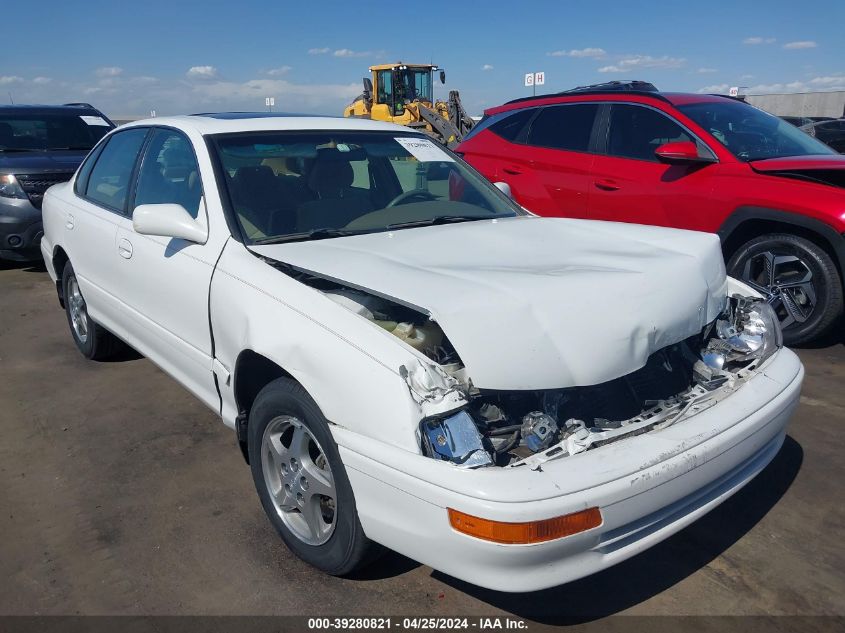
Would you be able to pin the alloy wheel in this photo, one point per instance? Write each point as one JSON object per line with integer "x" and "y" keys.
{"x": 299, "y": 479}
{"x": 78, "y": 311}
{"x": 787, "y": 283}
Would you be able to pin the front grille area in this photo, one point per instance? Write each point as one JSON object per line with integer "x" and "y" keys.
{"x": 34, "y": 185}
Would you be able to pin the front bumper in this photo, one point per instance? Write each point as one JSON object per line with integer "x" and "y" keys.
{"x": 20, "y": 230}
{"x": 647, "y": 487}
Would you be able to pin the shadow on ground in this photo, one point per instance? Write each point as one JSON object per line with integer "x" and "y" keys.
{"x": 658, "y": 568}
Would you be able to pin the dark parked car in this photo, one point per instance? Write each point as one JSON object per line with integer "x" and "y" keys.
{"x": 40, "y": 146}
{"x": 694, "y": 161}
{"x": 797, "y": 121}
{"x": 830, "y": 132}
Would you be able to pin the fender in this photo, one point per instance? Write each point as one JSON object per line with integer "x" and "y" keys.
{"x": 835, "y": 240}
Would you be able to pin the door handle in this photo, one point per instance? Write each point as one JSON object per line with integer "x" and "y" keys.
{"x": 511, "y": 170}
{"x": 69, "y": 222}
{"x": 606, "y": 185}
{"x": 124, "y": 248}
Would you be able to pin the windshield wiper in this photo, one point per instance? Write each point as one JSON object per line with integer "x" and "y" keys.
{"x": 71, "y": 147}
{"x": 439, "y": 219}
{"x": 19, "y": 149}
{"x": 313, "y": 234}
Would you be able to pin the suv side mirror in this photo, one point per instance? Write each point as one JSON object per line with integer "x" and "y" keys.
{"x": 505, "y": 188}
{"x": 168, "y": 220}
{"x": 680, "y": 153}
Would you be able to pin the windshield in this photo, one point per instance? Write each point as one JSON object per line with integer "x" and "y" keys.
{"x": 414, "y": 85}
{"x": 313, "y": 185}
{"x": 40, "y": 132}
{"x": 751, "y": 134}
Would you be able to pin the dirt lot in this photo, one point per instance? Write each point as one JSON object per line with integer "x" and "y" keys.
{"x": 122, "y": 494}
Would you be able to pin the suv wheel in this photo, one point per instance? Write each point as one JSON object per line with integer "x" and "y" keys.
{"x": 799, "y": 280}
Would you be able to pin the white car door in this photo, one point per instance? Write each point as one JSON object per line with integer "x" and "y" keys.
{"x": 167, "y": 279}
{"x": 95, "y": 210}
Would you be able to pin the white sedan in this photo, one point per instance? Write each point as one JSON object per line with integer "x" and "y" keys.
{"x": 410, "y": 359}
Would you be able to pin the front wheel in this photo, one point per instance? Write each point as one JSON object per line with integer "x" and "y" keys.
{"x": 797, "y": 277}
{"x": 301, "y": 481}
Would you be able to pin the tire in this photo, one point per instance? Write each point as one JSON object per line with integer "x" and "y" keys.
{"x": 93, "y": 340}
{"x": 289, "y": 441}
{"x": 799, "y": 279}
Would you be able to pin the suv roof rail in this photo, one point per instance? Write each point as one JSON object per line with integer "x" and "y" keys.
{"x": 628, "y": 86}
{"x": 633, "y": 85}
{"x": 80, "y": 104}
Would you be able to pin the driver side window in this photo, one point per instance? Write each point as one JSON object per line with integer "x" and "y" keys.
{"x": 169, "y": 173}
{"x": 636, "y": 131}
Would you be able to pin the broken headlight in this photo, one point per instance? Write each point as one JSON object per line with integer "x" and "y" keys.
{"x": 747, "y": 330}
{"x": 455, "y": 439}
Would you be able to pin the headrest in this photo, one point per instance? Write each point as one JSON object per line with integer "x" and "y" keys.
{"x": 255, "y": 176}
{"x": 6, "y": 133}
{"x": 328, "y": 177}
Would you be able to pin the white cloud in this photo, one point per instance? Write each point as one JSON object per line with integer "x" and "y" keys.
{"x": 828, "y": 81}
{"x": 9, "y": 79}
{"x": 754, "y": 41}
{"x": 487, "y": 67}
{"x": 202, "y": 72}
{"x": 715, "y": 88}
{"x": 595, "y": 53}
{"x": 278, "y": 72}
{"x": 704, "y": 71}
{"x": 794, "y": 46}
{"x": 41, "y": 80}
{"x": 345, "y": 52}
{"x": 319, "y": 51}
{"x": 816, "y": 84}
{"x": 109, "y": 71}
{"x": 643, "y": 61}
{"x": 744, "y": 77}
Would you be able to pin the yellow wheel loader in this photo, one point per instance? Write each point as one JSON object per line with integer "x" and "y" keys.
{"x": 403, "y": 93}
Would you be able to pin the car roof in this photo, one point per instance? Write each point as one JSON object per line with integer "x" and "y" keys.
{"x": 74, "y": 108}
{"x": 230, "y": 122}
{"x": 642, "y": 96}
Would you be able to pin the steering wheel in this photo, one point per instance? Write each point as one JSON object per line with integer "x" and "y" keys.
{"x": 422, "y": 194}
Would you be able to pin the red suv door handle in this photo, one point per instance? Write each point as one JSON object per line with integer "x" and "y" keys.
{"x": 511, "y": 170}
{"x": 606, "y": 185}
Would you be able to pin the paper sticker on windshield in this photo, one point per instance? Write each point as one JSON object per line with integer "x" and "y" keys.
{"x": 424, "y": 150}
{"x": 95, "y": 120}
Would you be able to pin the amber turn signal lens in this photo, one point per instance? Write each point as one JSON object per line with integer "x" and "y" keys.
{"x": 532, "y": 532}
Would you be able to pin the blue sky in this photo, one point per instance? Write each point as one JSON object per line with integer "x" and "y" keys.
{"x": 188, "y": 56}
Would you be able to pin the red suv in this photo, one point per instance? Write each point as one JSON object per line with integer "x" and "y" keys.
{"x": 627, "y": 153}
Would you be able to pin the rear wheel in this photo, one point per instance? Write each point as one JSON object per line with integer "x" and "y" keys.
{"x": 301, "y": 481}
{"x": 797, "y": 277}
{"x": 93, "y": 340}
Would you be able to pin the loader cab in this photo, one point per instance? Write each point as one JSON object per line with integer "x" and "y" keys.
{"x": 397, "y": 85}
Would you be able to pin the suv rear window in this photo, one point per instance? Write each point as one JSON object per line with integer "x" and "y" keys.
{"x": 51, "y": 131}
{"x": 566, "y": 127}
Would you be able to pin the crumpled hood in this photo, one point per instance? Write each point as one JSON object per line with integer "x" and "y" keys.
{"x": 537, "y": 303}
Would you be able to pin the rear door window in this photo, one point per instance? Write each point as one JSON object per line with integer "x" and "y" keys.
{"x": 636, "y": 131}
{"x": 108, "y": 184}
{"x": 566, "y": 127}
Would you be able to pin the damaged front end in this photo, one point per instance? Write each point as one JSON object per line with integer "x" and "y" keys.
{"x": 528, "y": 428}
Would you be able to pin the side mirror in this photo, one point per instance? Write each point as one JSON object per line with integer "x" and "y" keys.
{"x": 505, "y": 188}
{"x": 168, "y": 220}
{"x": 443, "y": 76}
{"x": 681, "y": 152}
